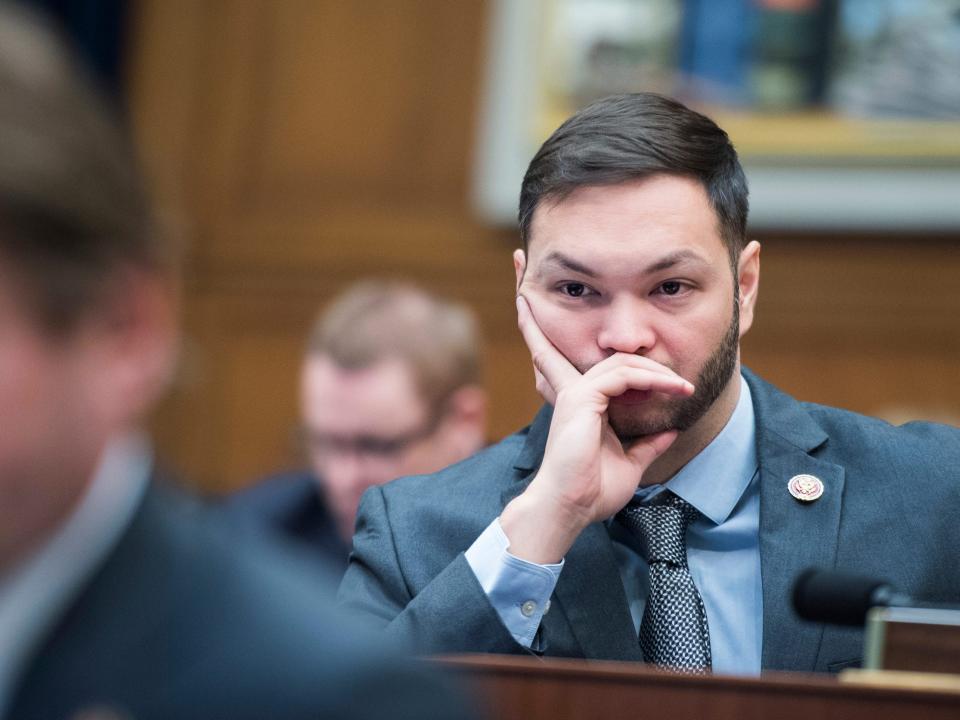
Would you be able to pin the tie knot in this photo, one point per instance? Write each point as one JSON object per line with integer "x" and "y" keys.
{"x": 661, "y": 528}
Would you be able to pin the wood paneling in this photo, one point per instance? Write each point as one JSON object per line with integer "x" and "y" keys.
{"x": 300, "y": 145}
{"x": 871, "y": 325}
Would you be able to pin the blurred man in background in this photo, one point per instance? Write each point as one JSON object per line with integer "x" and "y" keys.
{"x": 390, "y": 387}
{"x": 117, "y": 597}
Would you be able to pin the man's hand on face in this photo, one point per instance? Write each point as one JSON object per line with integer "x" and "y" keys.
{"x": 587, "y": 474}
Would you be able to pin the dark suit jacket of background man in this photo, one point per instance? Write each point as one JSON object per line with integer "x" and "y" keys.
{"x": 290, "y": 507}
{"x": 889, "y": 510}
{"x": 185, "y": 621}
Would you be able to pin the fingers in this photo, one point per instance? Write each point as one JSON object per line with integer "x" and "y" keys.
{"x": 617, "y": 380}
{"x": 549, "y": 362}
{"x": 626, "y": 359}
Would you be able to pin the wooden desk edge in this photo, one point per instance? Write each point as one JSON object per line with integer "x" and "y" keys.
{"x": 611, "y": 671}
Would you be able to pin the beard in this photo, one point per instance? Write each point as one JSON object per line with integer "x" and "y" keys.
{"x": 633, "y": 422}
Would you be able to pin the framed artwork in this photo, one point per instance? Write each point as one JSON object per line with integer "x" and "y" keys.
{"x": 845, "y": 113}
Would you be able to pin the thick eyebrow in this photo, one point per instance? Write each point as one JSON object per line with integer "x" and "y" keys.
{"x": 674, "y": 258}
{"x": 557, "y": 259}
{"x": 564, "y": 262}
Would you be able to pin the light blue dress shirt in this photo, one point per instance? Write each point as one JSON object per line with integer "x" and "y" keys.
{"x": 723, "y": 551}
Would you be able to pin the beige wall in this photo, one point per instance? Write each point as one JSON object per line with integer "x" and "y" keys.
{"x": 300, "y": 145}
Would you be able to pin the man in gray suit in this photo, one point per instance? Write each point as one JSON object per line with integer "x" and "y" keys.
{"x": 118, "y": 597}
{"x": 661, "y": 504}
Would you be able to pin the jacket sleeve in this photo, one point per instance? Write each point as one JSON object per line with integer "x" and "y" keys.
{"x": 450, "y": 614}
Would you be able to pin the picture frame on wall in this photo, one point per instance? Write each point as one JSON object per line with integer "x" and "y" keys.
{"x": 846, "y": 113}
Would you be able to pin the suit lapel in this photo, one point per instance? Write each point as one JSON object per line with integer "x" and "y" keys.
{"x": 530, "y": 456}
{"x": 590, "y": 594}
{"x": 794, "y": 535}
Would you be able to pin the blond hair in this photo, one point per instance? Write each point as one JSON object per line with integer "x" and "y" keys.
{"x": 377, "y": 320}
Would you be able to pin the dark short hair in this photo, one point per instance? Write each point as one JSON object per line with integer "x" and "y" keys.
{"x": 633, "y": 136}
{"x": 376, "y": 320}
{"x": 73, "y": 210}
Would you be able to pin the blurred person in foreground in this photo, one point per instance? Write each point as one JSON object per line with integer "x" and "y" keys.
{"x": 390, "y": 386}
{"x": 663, "y": 501}
{"x": 118, "y": 597}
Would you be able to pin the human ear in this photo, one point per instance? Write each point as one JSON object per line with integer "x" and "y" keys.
{"x": 519, "y": 266}
{"x": 748, "y": 277}
{"x": 136, "y": 333}
{"x": 467, "y": 416}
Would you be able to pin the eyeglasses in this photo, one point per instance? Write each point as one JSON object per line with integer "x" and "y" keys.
{"x": 375, "y": 447}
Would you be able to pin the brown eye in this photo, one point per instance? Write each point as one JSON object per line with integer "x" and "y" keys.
{"x": 671, "y": 287}
{"x": 574, "y": 289}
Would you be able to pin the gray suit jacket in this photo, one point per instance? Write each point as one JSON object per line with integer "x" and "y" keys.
{"x": 889, "y": 510}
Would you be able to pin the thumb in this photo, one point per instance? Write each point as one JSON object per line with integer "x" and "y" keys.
{"x": 645, "y": 450}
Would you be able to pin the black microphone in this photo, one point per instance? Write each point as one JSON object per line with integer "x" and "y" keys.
{"x": 839, "y": 598}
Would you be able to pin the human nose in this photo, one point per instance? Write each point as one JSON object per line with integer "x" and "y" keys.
{"x": 626, "y": 327}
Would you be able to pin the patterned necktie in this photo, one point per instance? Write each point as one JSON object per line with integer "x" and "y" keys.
{"x": 673, "y": 632}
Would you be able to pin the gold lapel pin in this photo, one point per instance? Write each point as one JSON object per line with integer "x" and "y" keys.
{"x": 805, "y": 488}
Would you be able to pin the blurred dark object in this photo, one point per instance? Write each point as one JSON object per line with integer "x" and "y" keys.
{"x": 841, "y": 598}
{"x": 901, "y": 633}
{"x": 97, "y": 28}
{"x": 290, "y": 507}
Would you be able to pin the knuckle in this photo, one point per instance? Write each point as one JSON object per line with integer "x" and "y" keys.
{"x": 562, "y": 395}
{"x": 538, "y": 359}
{"x": 622, "y": 373}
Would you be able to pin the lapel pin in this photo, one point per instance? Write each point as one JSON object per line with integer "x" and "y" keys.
{"x": 805, "y": 488}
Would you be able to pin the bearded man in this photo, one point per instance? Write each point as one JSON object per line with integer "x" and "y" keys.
{"x": 662, "y": 503}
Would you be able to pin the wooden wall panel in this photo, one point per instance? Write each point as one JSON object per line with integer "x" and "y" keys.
{"x": 301, "y": 145}
{"x": 868, "y": 324}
